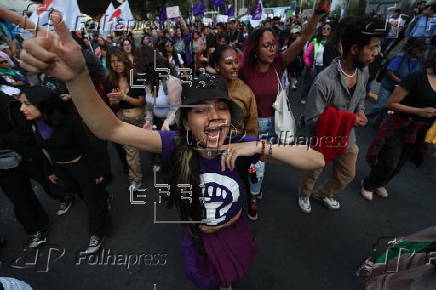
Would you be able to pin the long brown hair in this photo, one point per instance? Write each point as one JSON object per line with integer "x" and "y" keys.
{"x": 113, "y": 76}
{"x": 184, "y": 168}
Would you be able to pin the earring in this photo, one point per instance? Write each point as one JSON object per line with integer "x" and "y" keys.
{"x": 187, "y": 138}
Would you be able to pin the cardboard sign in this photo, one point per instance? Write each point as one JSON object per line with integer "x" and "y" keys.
{"x": 173, "y": 12}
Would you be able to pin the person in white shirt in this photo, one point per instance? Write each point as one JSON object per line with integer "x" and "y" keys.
{"x": 162, "y": 93}
{"x": 174, "y": 59}
{"x": 395, "y": 25}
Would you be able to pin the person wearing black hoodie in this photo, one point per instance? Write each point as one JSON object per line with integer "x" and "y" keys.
{"x": 63, "y": 137}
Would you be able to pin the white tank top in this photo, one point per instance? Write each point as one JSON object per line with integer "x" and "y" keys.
{"x": 161, "y": 100}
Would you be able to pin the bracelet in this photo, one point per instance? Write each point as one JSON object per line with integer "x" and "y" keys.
{"x": 262, "y": 150}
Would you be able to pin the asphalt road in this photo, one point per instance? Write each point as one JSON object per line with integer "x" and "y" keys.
{"x": 320, "y": 251}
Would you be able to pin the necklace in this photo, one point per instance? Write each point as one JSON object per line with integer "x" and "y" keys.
{"x": 344, "y": 73}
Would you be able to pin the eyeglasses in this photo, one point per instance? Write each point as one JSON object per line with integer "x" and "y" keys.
{"x": 269, "y": 45}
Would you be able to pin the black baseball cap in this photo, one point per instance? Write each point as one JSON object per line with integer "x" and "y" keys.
{"x": 208, "y": 87}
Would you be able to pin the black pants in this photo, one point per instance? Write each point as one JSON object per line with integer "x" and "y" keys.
{"x": 29, "y": 212}
{"x": 81, "y": 179}
{"x": 392, "y": 157}
{"x": 100, "y": 151}
{"x": 36, "y": 171}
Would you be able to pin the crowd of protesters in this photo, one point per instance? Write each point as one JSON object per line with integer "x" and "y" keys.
{"x": 56, "y": 119}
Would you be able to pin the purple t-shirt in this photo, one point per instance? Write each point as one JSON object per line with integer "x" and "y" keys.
{"x": 221, "y": 189}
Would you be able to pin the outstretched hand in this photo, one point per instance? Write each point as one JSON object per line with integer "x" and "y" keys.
{"x": 55, "y": 53}
{"x": 232, "y": 151}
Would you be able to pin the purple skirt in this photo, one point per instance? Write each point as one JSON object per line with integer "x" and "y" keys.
{"x": 229, "y": 252}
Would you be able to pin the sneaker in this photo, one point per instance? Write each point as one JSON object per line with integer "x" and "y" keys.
{"x": 252, "y": 209}
{"x": 304, "y": 203}
{"x": 94, "y": 245}
{"x": 36, "y": 239}
{"x": 329, "y": 202}
{"x": 135, "y": 185}
{"x": 64, "y": 206}
{"x": 381, "y": 191}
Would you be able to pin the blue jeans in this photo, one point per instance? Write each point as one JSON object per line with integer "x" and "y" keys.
{"x": 266, "y": 131}
{"x": 309, "y": 77}
{"x": 383, "y": 96}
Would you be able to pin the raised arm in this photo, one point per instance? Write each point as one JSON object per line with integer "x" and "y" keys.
{"x": 308, "y": 31}
{"x": 58, "y": 55}
{"x": 298, "y": 156}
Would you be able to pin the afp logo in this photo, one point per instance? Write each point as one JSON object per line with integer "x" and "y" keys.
{"x": 40, "y": 259}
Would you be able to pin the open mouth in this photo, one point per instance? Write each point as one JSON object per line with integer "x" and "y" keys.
{"x": 213, "y": 134}
{"x": 234, "y": 74}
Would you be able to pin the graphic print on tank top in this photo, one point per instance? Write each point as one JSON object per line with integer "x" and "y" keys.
{"x": 220, "y": 193}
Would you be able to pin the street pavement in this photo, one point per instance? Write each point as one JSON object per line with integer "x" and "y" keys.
{"x": 320, "y": 251}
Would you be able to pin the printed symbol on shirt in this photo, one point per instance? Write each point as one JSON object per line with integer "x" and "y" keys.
{"x": 219, "y": 192}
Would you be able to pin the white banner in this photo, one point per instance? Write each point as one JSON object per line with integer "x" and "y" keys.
{"x": 119, "y": 19}
{"x": 255, "y": 23}
{"x": 73, "y": 18}
{"x": 173, "y": 12}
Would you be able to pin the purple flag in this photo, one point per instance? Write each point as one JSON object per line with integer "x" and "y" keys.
{"x": 257, "y": 11}
{"x": 218, "y": 3}
{"x": 163, "y": 15}
{"x": 230, "y": 11}
{"x": 198, "y": 8}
